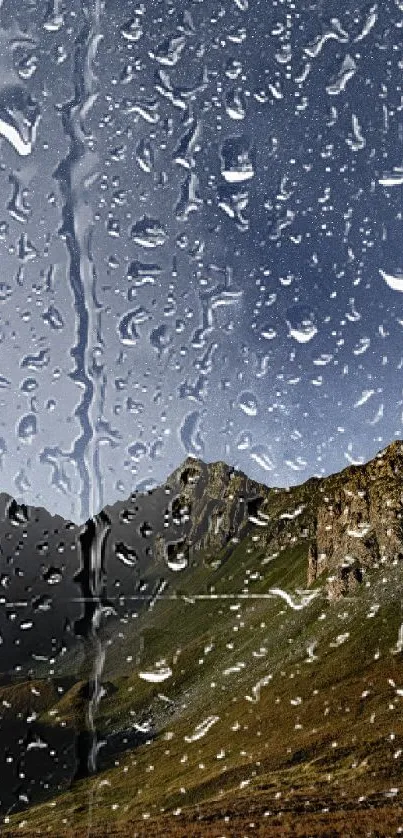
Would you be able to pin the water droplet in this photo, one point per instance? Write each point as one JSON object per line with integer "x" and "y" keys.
{"x": 19, "y": 119}
{"x": 236, "y": 163}
{"x": 301, "y": 324}
{"x": 148, "y": 232}
{"x": 247, "y": 402}
{"x": 27, "y": 427}
{"x": 126, "y": 555}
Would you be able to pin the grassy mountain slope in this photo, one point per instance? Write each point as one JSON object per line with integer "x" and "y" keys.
{"x": 259, "y": 693}
{"x": 286, "y": 719}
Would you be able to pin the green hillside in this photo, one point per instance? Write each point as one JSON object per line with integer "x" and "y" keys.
{"x": 264, "y": 709}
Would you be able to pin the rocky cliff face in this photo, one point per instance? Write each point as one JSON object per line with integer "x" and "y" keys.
{"x": 359, "y": 521}
{"x": 350, "y": 522}
{"x": 215, "y": 502}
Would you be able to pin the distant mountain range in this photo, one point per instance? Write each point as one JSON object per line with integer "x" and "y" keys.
{"x": 271, "y": 616}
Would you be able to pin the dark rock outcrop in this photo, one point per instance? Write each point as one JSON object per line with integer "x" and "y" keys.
{"x": 359, "y": 521}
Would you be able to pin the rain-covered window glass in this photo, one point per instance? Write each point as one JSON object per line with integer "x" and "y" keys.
{"x": 201, "y": 455}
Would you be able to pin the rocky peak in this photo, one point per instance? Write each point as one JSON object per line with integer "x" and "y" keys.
{"x": 216, "y": 500}
{"x": 351, "y": 521}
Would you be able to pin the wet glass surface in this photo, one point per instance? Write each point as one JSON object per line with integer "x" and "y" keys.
{"x": 200, "y": 244}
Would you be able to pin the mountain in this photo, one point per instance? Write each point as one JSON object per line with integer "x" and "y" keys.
{"x": 146, "y": 541}
{"x": 246, "y": 668}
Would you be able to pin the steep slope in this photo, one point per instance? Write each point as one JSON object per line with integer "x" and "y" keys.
{"x": 277, "y": 708}
{"x": 359, "y": 523}
{"x": 271, "y": 618}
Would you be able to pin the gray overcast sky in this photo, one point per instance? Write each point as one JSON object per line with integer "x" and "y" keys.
{"x": 200, "y": 239}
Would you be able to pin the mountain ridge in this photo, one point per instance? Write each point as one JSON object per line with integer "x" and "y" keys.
{"x": 347, "y": 523}
{"x": 299, "y": 684}
{"x": 21, "y": 501}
